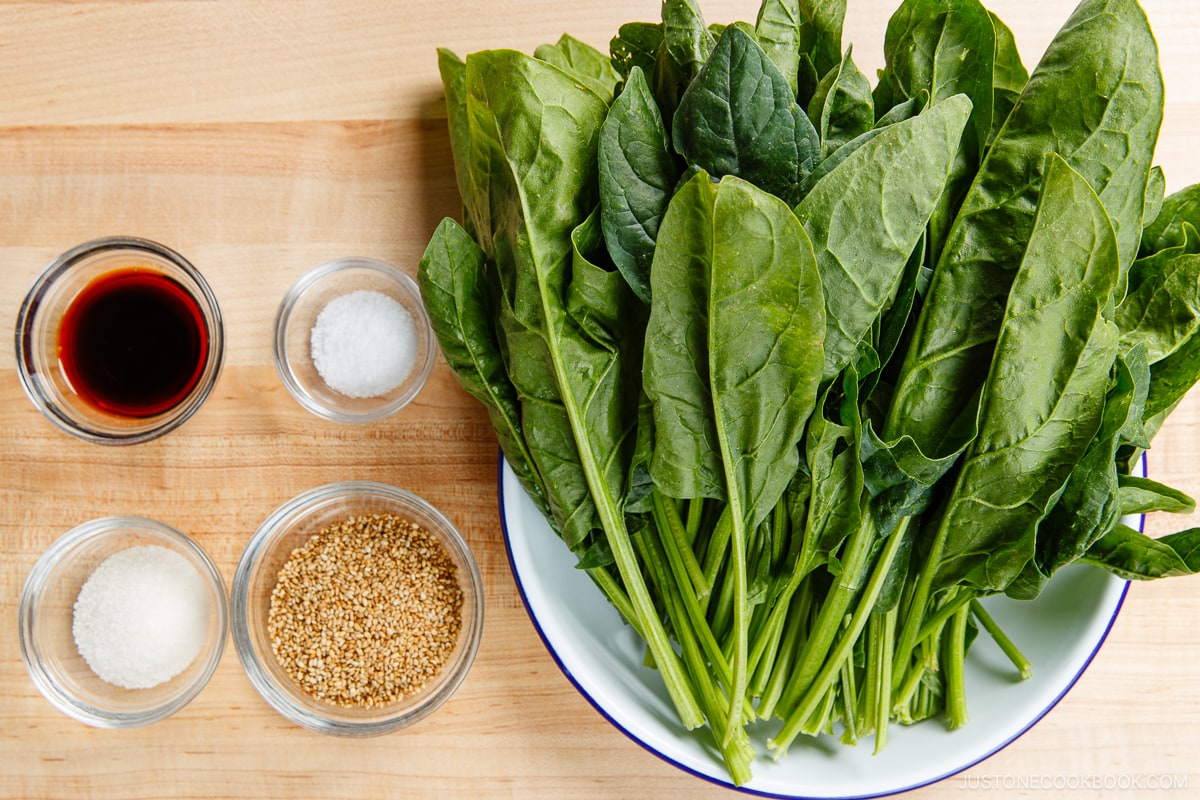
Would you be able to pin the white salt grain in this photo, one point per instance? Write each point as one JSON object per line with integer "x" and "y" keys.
{"x": 363, "y": 344}
{"x": 141, "y": 617}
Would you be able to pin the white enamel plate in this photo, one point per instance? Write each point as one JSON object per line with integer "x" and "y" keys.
{"x": 1059, "y": 632}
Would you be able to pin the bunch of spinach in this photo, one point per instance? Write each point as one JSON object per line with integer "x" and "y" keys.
{"x": 801, "y": 368}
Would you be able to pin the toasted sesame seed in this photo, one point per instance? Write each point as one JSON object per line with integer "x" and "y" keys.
{"x": 366, "y": 611}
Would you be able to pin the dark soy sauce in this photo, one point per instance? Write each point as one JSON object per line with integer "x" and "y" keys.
{"x": 133, "y": 343}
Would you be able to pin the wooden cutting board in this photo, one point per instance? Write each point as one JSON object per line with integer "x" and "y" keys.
{"x": 261, "y": 138}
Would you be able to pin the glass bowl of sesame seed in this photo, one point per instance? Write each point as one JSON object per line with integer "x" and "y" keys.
{"x": 353, "y": 342}
{"x": 357, "y": 609}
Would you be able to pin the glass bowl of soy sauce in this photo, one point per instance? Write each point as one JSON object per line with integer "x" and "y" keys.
{"x": 119, "y": 340}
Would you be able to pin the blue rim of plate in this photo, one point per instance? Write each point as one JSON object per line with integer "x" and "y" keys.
{"x": 757, "y": 792}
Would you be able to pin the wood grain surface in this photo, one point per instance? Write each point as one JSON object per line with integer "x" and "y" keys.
{"x": 263, "y": 137}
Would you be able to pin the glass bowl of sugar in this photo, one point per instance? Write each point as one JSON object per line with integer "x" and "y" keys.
{"x": 352, "y": 340}
{"x": 122, "y": 621}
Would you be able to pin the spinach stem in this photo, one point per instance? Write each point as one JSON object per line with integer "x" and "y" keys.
{"x": 952, "y": 660}
{"x": 795, "y": 626}
{"x": 695, "y": 517}
{"x": 856, "y": 553}
{"x": 717, "y": 549}
{"x": 719, "y": 619}
{"x": 690, "y": 617}
{"x": 735, "y": 745}
{"x": 612, "y": 522}
{"x": 845, "y": 646}
{"x": 849, "y": 699}
{"x": 962, "y": 596}
{"x": 919, "y": 601}
{"x": 766, "y": 642}
{"x": 666, "y": 519}
{"x": 883, "y": 689}
{"x": 1014, "y": 655}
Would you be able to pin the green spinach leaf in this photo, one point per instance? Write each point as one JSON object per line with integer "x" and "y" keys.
{"x": 579, "y": 410}
{"x": 1133, "y": 555}
{"x": 1167, "y": 228}
{"x": 637, "y": 176}
{"x": 455, "y": 290}
{"x": 1041, "y": 405}
{"x": 778, "y": 29}
{"x": 1009, "y": 75}
{"x": 735, "y": 278}
{"x": 821, "y": 35}
{"x": 1090, "y": 503}
{"x": 841, "y": 108}
{"x": 733, "y": 347}
{"x": 1161, "y": 312}
{"x": 868, "y": 213}
{"x": 1096, "y": 99}
{"x": 584, "y": 62}
{"x": 1144, "y": 496}
{"x": 636, "y": 45}
{"x": 739, "y": 117}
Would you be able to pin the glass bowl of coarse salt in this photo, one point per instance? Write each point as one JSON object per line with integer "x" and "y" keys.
{"x": 352, "y": 340}
{"x": 357, "y": 609}
{"x": 122, "y": 621}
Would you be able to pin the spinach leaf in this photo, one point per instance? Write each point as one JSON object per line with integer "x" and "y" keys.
{"x": 867, "y": 214}
{"x": 1133, "y": 555}
{"x": 1156, "y": 189}
{"x": 1096, "y": 99}
{"x": 733, "y": 347}
{"x": 834, "y": 466}
{"x": 1162, "y": 309}
{"x": 734, "y": 276}
{"x": 900, "y": 478}
{"x": 1144, "y": 496}
{"x": 686, "y": 45}
{"x": 456, "y": 294}
{"x": 1171, "y": 379}
{"x": 803, "y": 38}
{"x": 597, "y": 298}
{"x": 821, "y": 34}
{"x": 778, "y": 30}
{"x": 1042, "y": 404}
{"x": 637, "y": 176}
{"x": 636, "y": 45}
{"x": 1167, "y": 229}
{"x": 1090, "y": 503}
{"x": 584, "y": 62}
{"x": 841, "y": 108}
{"x": 945, "y": 48}
{"x": 1009, "y": 75}
{"x": 687, "y": 38}
{"x": 579, "y": 409}
{"x": 454, "y": 81}
{"x": 739, "y": 117}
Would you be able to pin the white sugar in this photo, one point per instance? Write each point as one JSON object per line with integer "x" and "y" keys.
{"x": 141, "y": 617}
{"x": 363, "y": 344}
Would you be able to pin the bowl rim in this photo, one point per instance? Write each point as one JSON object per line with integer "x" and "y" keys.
{"x": 35, "y": 582}
{"x": 155, "y": 426}
{"x": 272, "y": 529}
{"x": 422, "y": 367}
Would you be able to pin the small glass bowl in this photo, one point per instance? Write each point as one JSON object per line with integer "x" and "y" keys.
{"x": 286, "y": 529}
{"x": 37, "y": 338}
{"x": 298, "y": 313}
{"x": 46, "y": 616}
